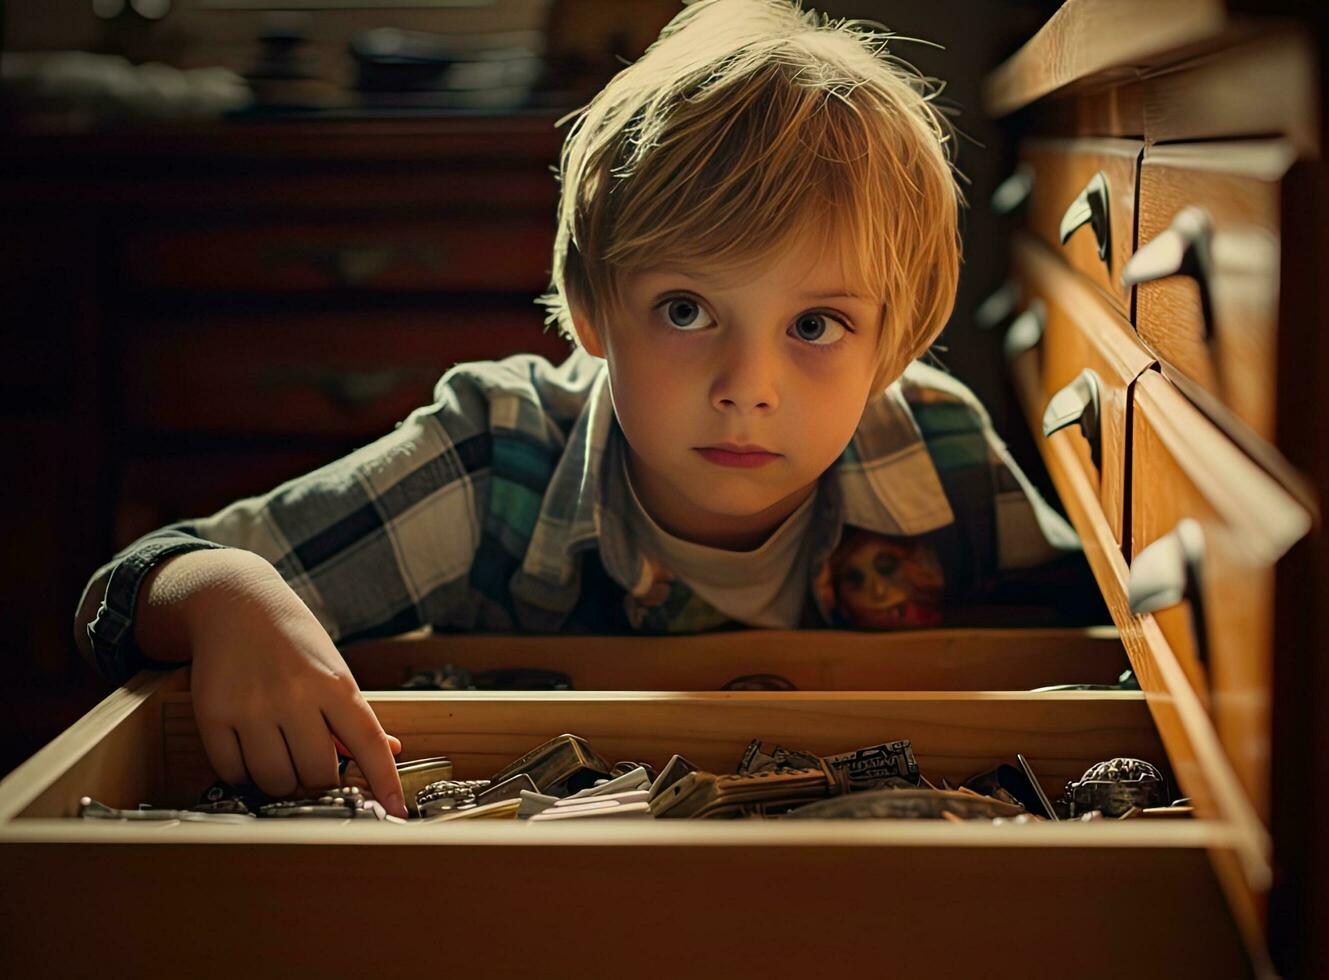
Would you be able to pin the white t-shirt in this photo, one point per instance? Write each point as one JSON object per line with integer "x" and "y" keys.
{"x": 764, "y": 587}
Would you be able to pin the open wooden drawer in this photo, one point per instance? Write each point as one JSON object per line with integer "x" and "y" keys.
{"x": 741, "y": 898}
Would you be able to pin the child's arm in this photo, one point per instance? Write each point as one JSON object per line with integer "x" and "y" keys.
{"x": 268, "y": 682}
{"x": 377, "y": 543}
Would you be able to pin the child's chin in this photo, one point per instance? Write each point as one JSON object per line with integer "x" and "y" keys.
{"x": 743, "y": 503}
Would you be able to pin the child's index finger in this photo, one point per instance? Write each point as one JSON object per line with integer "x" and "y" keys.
{"x": 393, "y": 742}
{"x": 357, "y": 728}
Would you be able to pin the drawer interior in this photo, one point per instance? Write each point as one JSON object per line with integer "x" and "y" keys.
{"x": 955, "y": 734}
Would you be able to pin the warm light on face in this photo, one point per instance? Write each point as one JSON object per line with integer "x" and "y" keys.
{"x": 704, "y": 366}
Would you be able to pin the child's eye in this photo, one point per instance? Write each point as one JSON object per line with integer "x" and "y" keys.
{"x": 816, "y": 328}
{"x": 682, "y": 313}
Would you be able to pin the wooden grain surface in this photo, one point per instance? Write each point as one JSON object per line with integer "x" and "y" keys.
{"x": 1084, "y": 331}
{"x": 1198, "y": 756}
{"x": 1267, "y": 82}
{"x": 1087, "y": 38}
{"x": 1183, "y": 467}
{"x": 823, "y": 660}
{"x": 739, "y": 900}
{"x": 1111, "y": 108}
{"x": 1062, "y": 169}
{"x": 1237, "y": 185}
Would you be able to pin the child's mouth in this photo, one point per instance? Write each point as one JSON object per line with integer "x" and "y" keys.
{"x": 737, "y": 456}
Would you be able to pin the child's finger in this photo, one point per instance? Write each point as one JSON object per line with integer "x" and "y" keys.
{"x": 267, "y": 758}
{"x": 222, "y": 746}
{"x": 394, "y": 743}
{"x": 307, "y": 740}
{"x": 355, "y": 724}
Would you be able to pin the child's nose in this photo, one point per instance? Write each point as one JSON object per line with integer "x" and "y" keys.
{"x": 745, "y": 377}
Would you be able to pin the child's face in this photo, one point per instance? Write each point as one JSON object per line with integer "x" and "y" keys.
{"x": 751, "y": 359}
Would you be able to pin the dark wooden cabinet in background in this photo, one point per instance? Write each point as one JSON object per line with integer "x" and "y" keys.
{"x": 195, "y": 315}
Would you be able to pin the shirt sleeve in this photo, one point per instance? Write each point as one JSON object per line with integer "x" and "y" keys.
{"x": 376, "y": 543}
{"x": 987, "y": 487}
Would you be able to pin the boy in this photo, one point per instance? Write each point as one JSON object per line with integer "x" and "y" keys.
{"x": 756, "y": 239}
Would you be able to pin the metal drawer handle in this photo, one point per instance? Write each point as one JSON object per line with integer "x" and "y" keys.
{"x": 998, "y": 307}
{"x": 1170, "y": 571}
{"x": 1079, "y": 402}
{"x": 1184, "y": 248}
{"x": 1026, "y": 330}
{"x": 1014, "y": 191}
{"x": 1090, "y": 208}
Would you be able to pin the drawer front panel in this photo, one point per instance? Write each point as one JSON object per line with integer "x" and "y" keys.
{"x": 459, "y": 252}
{"x": 334, "y": 374}
{"x": 1184, "y": 468}
{"x": 1083, "y": 332}
{"x": 695, "y": 884}
{"x": 1063, "y": 170}
{"x": 1212, "y": 213}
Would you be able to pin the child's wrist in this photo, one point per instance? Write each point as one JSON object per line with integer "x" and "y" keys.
{"x": 201, "y": 590}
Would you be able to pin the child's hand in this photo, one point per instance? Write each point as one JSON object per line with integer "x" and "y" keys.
{"x": 273, "y": 698}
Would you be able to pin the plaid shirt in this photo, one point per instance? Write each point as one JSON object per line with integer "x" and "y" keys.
{"x": 500, "y": 507}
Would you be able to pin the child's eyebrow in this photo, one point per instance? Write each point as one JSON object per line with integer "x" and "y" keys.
{"x": 838, "y": 292}
{"x": 833, "y": 294}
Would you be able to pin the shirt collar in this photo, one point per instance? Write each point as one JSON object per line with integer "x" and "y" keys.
{"x": 883, "y": 482}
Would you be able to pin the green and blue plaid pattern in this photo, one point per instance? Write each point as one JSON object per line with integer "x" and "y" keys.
{"x": 497, "y": 507}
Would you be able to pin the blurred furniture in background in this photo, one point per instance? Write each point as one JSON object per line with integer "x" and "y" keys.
{"x": 196, "y": 314}
{"x": 343, "y": 55}
{"x": 197, "y": 308}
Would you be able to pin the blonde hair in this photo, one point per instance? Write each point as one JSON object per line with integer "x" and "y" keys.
{"x": 748, "y": 122}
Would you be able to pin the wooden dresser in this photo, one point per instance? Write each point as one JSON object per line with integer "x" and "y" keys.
{"x": 1173, "y": 143}
{"x": 1164, "y": 323}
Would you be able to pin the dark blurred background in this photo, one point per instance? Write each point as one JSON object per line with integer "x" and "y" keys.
{"x": 241, "y": 238}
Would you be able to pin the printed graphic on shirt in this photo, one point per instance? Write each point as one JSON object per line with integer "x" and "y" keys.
{"x": 873, "y": 581}
{"x": 670, "y": 606}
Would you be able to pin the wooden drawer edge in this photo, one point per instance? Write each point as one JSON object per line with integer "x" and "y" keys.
{"x": 130, "y": 716}
{"x": 1074, "y": 45}
{"x": 930, "y": 659}
{"x": 1183, "y": 724}
{"x": 1242, "y": 494}
{"x": 1115, "y": 146}
{"x": 1258, "y": 159}
{"x": 1161, "y": 677}
{"x": 1118, "y": 835}
{"x": 1112, "y": 336}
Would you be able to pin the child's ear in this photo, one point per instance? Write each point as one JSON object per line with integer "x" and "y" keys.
{"x": 586, "y": 332}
